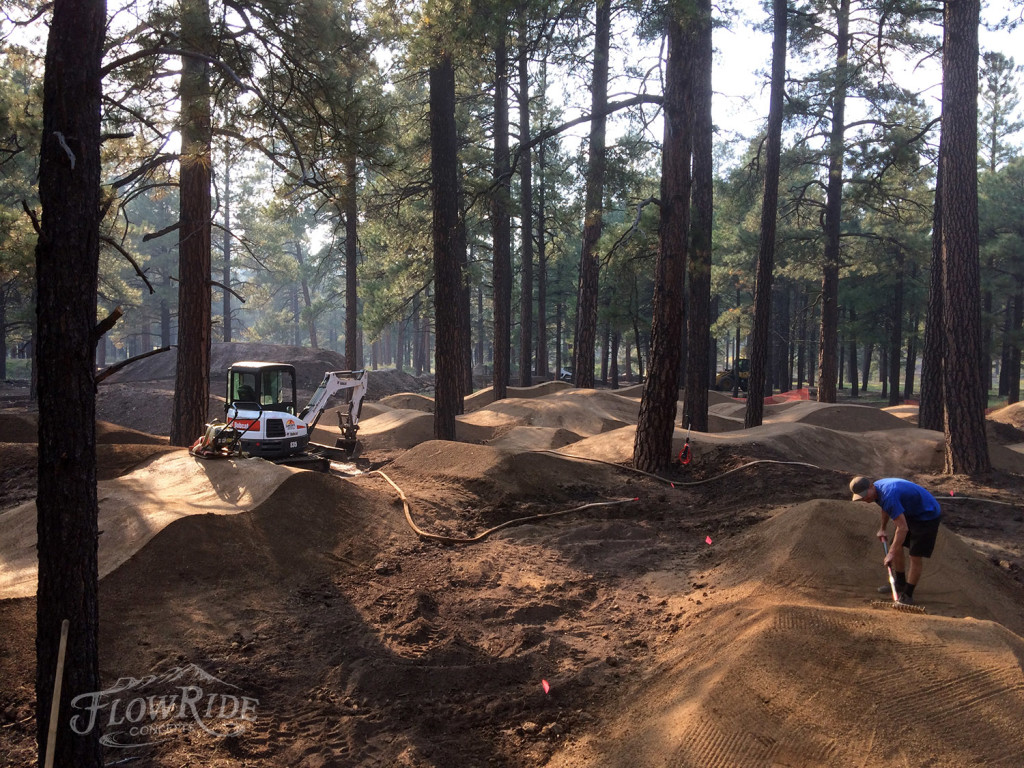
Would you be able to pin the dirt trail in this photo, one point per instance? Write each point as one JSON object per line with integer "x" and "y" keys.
{"x": 725, "y": 620}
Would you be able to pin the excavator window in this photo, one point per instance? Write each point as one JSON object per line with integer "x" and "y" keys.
{"x": 244, "y": 388}
{"x": 276, "y": 392}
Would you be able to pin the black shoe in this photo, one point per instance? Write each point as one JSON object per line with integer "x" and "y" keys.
{"x": 886, "y": 590}
{"x": 905, "y": 599}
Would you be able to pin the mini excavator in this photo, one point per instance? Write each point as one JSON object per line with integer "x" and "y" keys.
{"x": 260, "y": 417}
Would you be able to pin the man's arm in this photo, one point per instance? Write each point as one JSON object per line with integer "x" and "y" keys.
{"x": 898, "y": 537}
{"x": 883, "y": 525}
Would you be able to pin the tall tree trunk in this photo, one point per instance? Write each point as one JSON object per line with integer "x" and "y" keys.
{"x": 3, "y": 333}
{"x": 501, "y": 226}
{"x": 417, "y": 336}
{"x": 965, "y": 390}
{"x": 869, "y": 350}
{"x": 165, "y": 312}
{"x": 465, "y": 305}
{"x": 226, "y": 250}
{"x": 616, "y": 339}
{"x": 558, "y": 339}
{"x": 1004, "y": 348}
{"x": 587, "y": 296}
{"x": 1013, "y": 363}
{"x": 698, "y": 326}
{"x": 307, "y": 298}
{"x": 192, "y": 374}
{"x": 782, "y": 337}
{"x": 933, "y": 356}
{"x": 606, "y": 342}
{"x": 525, "y": 209}
{"x": 448, "y": 282}
{"x": 478, "y": 350}
{"x": 883, "y": 369}
{"x": 896, "y": 333}
{"x": 909, "y": 368}
{"x": 543, "y": 368}
{"x": 351, "y": 204}
{"x": 652, "y": 448}
{"x": 827, "y": 362}
{"x": 769, "y": 215}
{"x": 854, "y": 380}
{"x": 67, "y": 260}
{"x": 801, "y": 353}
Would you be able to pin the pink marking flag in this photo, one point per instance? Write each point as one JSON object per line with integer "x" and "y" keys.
{"x": 708, "y": 540}
{"x": 546, "y": 685}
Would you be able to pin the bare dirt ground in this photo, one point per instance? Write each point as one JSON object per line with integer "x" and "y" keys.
{"x": 720, "y": 617}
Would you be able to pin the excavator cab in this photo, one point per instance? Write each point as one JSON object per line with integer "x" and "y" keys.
{"x": 269, "y": 385}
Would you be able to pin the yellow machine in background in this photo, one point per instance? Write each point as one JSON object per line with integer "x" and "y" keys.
{"x": 726, "y": 380}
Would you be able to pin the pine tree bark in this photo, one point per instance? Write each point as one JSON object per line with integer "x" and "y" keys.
{"x": 448, "y": 282}
{"x": 192, "y": 373}
{"x": 226, "y": 254}
{"x": 769, "y": 215}
{"x": 930, "y": 413}
{"x": 67, "y": 259}
{"x": 1013, "y": 360}
{"x": 652, "y": 448}
{"x": 852, "y": 358}
{"x": 351, "y": 205}
{"x": 698, "y": 326}
{"x": 543, "y": 365}
{"x": 965, "y": 390}
{"x": 587, "y": 295}
{"x": 827, "y": 348}
{"x": 896, "y": 333}
{"x": 525, "y": 211}
{"x": 501, "y": 226}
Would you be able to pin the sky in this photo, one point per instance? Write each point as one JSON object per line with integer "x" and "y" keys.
{"x": 743, "y": 56}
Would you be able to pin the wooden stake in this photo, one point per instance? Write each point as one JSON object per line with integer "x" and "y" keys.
{"x": 58, "y": 681}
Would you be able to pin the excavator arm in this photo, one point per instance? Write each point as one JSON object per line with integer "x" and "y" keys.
{"x": 348, "y": 421}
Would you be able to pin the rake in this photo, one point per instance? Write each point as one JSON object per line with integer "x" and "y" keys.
{"x": 896, "y": 605}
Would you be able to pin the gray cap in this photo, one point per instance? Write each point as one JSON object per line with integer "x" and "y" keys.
{"x": 859, "y": 486}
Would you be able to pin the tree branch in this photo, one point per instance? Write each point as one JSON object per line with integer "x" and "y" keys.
{"x": 138, "y": 270}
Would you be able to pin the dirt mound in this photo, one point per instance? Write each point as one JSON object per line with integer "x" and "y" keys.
{"x": 402, "y": 428}
{"x": 843, "y": 417}
{"x": 18, "y": 427}
{"x": 497, "y": 474}
{"x": 1010, "y": 414}
{"x": 409, "y": 401}
{"x": 870, "y": 453}
{"x": 520, "y": 439}
{"x": 310, "y": 364}
{"x": 21, "y": 427}
{"x": 907, "y": 412}
{"x": 747, "y": 689}
{"x": 307, "y": 520}
{"x": 145, "y": 407}
{"x": 540, "y": 390}
{"x": 585, "y": 412}
{"x": 135, "y": 507}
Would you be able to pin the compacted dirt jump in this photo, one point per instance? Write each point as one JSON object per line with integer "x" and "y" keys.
{"x": 721, "y": 616}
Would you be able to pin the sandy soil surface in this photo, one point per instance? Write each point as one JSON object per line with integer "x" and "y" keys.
{"x": 721, "y": 616}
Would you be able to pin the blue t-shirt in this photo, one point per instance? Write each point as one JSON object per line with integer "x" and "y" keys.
{"x": 897, "y": 497}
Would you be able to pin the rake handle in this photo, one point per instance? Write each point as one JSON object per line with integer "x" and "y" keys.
{"x": 892, "y": 579}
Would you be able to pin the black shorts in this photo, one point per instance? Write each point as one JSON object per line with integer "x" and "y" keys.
{"x": 921, "y": 537}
